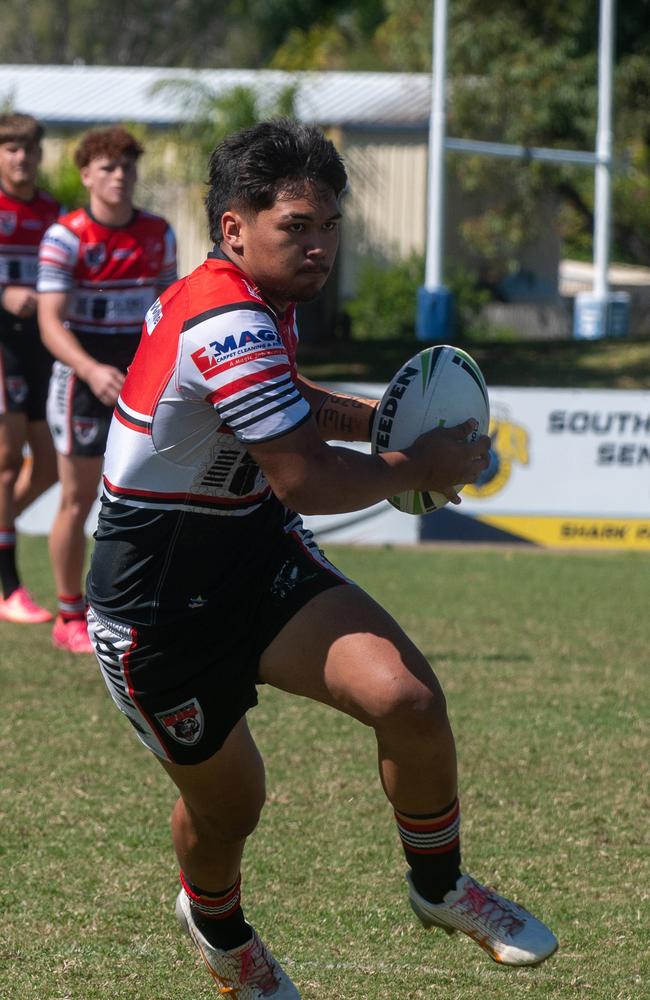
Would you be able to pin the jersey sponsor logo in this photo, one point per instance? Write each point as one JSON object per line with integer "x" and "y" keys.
{"x": 8, "y": 223}
{"x": 209, "y": 359}
{"x": 153, "y": 316}
{"x": 95, "y": 254}
{"x": 122, "y": 253}
{"x": 85, "y": 429}
{"x": 184, "y": 723}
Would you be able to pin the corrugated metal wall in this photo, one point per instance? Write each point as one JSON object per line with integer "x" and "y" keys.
{"x": 385, "y": 211}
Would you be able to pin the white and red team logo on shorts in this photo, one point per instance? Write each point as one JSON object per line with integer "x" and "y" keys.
{"x": 85, "y": 429}
{"x": 184, "y": 723}
{"x": 16, "y": 388}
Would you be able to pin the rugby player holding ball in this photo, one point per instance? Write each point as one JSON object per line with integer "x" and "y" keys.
{"x": 204, "y": 582}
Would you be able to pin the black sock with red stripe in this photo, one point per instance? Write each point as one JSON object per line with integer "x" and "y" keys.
{"x": 8, "y": 571}
{"x": 432, "y": 848}
{"x": 218, "y": 915}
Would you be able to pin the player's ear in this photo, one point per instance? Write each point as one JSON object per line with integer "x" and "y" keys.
{"x": 84, "y": 173}
{"x": 231, "y": 227}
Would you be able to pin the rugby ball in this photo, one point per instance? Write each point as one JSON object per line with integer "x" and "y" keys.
{"x": 440, "y": 387}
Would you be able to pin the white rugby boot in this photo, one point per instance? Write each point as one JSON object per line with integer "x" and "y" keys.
{"x": 508, "y": 933}
{"x": 248, "y": 972}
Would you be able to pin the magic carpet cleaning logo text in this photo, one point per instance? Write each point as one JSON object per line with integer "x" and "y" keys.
{"x": 510, "y": 447}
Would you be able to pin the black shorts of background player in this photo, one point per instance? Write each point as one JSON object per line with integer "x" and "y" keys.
{"x": 25, "y": 214}
{"x": 273, "y": 207}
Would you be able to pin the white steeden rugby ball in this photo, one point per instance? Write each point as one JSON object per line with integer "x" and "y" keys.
{"x": 440, "y": 387}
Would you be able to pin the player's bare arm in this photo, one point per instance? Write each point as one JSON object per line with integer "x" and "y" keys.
{"x": 104, "y": 380}
{"x": 315, "y": 478}
{"x": 339, "y": 416}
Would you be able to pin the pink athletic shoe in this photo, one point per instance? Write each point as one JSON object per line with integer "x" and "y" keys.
{"x": 71, "y": 635}
{"x": 20, "y": 607}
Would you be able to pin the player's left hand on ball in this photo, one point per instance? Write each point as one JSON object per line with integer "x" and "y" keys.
{"x": 450, "y": 458}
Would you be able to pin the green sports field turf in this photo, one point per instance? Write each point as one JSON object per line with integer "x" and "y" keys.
{"x": 544, "y": 658}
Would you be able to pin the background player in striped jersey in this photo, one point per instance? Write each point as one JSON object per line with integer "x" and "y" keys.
{"x": 100, "y": 268}
{"x": 25, "y": 365}
{"x": 204, "y": 583}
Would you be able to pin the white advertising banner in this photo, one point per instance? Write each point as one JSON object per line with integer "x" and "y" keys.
{"x": 568, "y": 468}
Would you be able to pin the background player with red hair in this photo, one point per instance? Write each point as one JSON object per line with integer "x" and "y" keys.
{"x": 100, "y": 268}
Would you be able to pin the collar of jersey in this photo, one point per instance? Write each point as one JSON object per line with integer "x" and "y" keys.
{"x": 217, "y": 254}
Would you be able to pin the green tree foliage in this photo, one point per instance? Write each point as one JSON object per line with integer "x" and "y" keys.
{"x": 212, "y": 116}
{"x": 122, "y": 33}
{"x": 385, "y": 302}
{"x": 524, "y": 73}
{"x": 527, "y": 74}
{"x": 63, "y": 181}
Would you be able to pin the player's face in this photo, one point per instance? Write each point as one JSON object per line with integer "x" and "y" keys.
{"x": 18, "y": 167}
{"x": 111, "y": 180}
{"x": 289, "y": 249}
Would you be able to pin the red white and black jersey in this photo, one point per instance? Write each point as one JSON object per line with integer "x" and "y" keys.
{"x": 185, "y": 510}
{"x": 22, "y": 224}
{"x": 215, "y": 370}
{"x": 113, "y": 274}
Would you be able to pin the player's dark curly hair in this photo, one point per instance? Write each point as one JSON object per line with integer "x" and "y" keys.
{"x": 108, "y": 142}
{"x": 250, "y": 168}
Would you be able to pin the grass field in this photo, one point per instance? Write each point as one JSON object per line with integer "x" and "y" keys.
{"x": 544, "y": 658}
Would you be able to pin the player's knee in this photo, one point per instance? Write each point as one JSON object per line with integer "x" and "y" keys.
{"x": 237, "y": 825}
{"x": 236, "y": 822}
{"x": 409, "y": 704}
{"x": 76, "y": 504}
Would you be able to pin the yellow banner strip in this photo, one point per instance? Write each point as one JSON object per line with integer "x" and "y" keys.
{"x": 577, "y": 532}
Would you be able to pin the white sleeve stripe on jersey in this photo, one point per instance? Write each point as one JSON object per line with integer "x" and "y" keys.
{"x": 260, "y": 409}
{"x": 53, "y": 279}
{"x": 286, "y": 428}
{"x": 239, "y": 425}
{"x": 136, "y": 414}
{"x": 257, "y": 307}
{"x": 265, "y": 389}
{"x": 141, "y": 423}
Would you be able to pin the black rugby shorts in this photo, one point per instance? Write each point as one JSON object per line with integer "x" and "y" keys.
{"x": 185, "y": 686}
{"x": 78, "y": 421}
{"x": 25, "y": 367}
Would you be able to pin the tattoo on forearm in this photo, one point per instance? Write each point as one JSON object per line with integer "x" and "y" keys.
{"x": 344, "y": 416}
